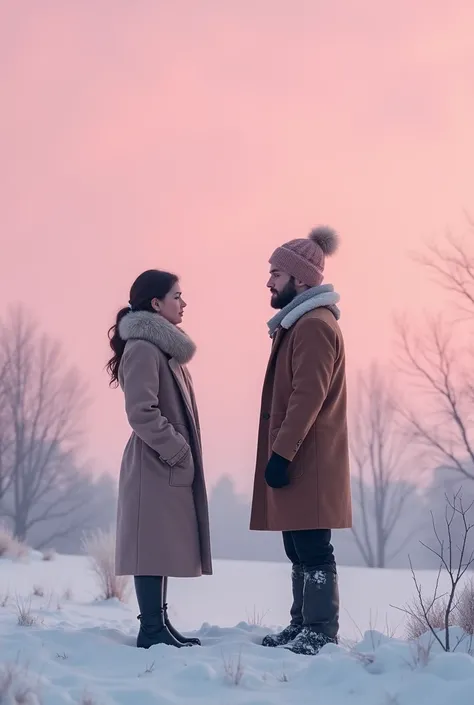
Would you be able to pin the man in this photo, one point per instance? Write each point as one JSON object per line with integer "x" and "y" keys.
{"x": 302, "y": 483}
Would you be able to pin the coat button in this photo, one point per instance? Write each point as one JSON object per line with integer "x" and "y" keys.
{"x": 265, "y": 416}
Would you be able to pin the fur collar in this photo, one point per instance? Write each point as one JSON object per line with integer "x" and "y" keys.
{"x": 143, "y": 325}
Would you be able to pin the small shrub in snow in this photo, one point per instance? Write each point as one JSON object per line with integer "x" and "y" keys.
{"x": 100, "y": 547}
{"x": 441, "y": 612}
{"x": 233, "y": 669}
{"x": 421, "y": 615}
{"x": 4, "y": 598}
{"x": 16, "y": 687}
{"x": 49, "y": 554}
{"x": 38, "y": 591}
{"x": 24, "y": 616}
{"x": 5, "y": 540}
{"x": 464, "y": 610}
{"x": 10, "y": 547}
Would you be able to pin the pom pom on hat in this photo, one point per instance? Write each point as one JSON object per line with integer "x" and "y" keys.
{"x": 326, "y": 237}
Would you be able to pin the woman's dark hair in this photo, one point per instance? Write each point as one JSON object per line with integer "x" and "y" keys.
{"x": 152, "y": 284}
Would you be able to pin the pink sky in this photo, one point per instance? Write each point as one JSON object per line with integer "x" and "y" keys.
{"x": 197, "y": 137}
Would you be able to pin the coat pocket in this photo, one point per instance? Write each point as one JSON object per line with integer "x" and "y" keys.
{"x": 182, "y": 474}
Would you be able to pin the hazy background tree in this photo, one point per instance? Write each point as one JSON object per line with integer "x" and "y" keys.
{"x": 380, "y": 458}
{"x": 231, "y": 537}
{"x": 98, "y": 512}
{"x": 42, "y": 409}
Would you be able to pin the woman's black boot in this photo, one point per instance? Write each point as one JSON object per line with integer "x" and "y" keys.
{"x": 186, "y": 641}
{"x": 153, "y": 630}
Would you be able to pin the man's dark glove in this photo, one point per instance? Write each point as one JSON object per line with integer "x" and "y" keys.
{"x": 276, "y": 472}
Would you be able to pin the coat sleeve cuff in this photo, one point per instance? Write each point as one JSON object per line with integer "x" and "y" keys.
{"x": 281, "y": 448}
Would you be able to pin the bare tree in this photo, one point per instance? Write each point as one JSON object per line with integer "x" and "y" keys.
{"x": 380, "y": 458}
{"x": 438, "y": 364}
{"x": 42, "y": 403}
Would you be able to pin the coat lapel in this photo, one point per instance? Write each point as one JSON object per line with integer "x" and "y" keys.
{"x": 277, "y": 340}
{"x": 179, "y": 375}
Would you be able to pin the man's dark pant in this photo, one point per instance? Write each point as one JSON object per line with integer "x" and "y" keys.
{"x": 310, "y": 549}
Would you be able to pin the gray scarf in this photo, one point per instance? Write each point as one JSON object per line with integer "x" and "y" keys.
{"x": 316, "y": 297}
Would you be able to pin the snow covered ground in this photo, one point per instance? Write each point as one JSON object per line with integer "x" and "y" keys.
{"x": 81, "y": 650}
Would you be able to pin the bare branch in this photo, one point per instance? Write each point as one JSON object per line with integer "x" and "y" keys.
{"x": 438, "y": 363}
{"x": 434, "y": 367}
{"x": 453, "y": 267}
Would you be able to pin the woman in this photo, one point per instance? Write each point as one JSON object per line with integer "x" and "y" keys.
{"x": 162, "y": 518}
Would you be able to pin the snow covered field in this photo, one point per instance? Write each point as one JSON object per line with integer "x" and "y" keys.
{"x": 81, "y": 650}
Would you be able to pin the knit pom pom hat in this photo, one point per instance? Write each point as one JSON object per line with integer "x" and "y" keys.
{"x": 304, "y": 258}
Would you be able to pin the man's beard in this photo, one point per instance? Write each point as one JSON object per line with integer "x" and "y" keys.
{"x": 285, "y": 296}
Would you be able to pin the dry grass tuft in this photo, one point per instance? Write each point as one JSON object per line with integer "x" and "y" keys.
{"x": 233, "y": 669}
{"x": 100, "y": 547}
{"x": 10, "y": 547}
{"x": 16, "y": 686}
{"x": 24, "y": 616}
